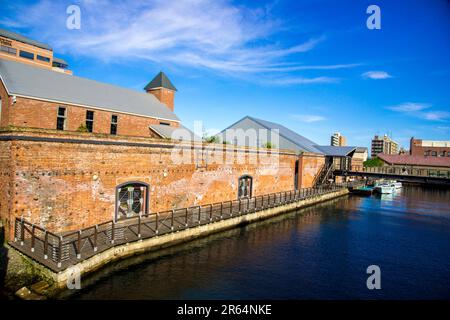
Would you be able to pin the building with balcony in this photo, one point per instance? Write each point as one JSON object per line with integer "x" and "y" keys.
{"x": 384, "y": 145}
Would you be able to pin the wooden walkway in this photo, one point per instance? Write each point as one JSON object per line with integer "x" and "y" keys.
{"x": 60, "y": 251}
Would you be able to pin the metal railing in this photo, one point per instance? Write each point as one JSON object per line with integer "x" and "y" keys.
{"x": 405, "y": 170}
{"x": 59, "y": 251}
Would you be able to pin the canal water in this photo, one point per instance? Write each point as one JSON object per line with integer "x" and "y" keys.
{"x": 321, "y": 252}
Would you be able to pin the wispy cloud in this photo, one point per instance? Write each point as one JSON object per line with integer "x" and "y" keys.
{"x": 376, "y": 75}
{"x": 211, "y": 34}
{"x": 301, "y": 80}
{"x": 421, "y": 110}
{"x": 436, "y": 115}
{"x": 308, "y": 118}
{"x": 410, "y": 107}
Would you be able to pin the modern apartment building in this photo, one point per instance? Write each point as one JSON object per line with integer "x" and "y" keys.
{"x": 384, "y": 145}
{"x": 338, "y": 140}
{"x": 16, "y": 47}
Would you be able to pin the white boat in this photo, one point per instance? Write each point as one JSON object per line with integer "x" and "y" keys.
{"x": 384, "y": 189}
{"x": 396, "y": 184}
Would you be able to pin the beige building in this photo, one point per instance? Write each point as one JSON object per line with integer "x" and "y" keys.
{"x": 338, "y": 140}
{"x": 384, "y": 145}
{"x": 16, "y": 47}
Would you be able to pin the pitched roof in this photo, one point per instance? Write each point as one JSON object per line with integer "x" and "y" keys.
{"x": 39, "y": 83}
{"x": 20, "y": 38}
{"x": 174, "y": 132}
{"x": 160, "y": 81}
{"x": 300, "y": 141}
{"x": 336, "y": 151}
{"x": 428, "y": 161}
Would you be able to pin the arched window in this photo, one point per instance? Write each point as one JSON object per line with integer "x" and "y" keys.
{"x": 245, "y": 185}
{"x": 131, "y": 199}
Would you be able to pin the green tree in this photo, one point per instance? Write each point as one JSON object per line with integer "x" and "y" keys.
{"x": 373, "y": 162}
{"x": 211, "y": 139}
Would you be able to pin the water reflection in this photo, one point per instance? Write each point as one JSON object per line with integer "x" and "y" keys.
{"x": 320, "y": 252}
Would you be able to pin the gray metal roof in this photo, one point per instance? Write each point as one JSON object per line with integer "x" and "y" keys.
{"x": 18, "y": 37}
{"x": 160, "y": 81}
{"x": 40, "y": 83}
{"x": 59, "y": 60}
{"x": 299, "y": 140}
{"x": 335, "y": 151}
{"x": 174, "y": 132}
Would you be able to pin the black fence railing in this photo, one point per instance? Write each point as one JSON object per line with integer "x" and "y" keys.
{"x": 59, "y": 251}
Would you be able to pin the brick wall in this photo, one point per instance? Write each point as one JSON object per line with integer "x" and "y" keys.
{"x": 165, "y": 96}
{"x": 309, "y": 166}
{"x": 41, "y": 114}
{"x": 416, "y": 149}
{"x": 64, "y": 186}
{"x": 4, "y": 115}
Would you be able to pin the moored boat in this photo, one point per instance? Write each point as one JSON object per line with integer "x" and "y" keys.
{"x": 384, "y": 188}
{"x": 396, "y": 184}
{"x": 366, "y": 190}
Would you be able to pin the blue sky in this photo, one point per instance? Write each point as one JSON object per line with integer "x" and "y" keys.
{"x": 311, "y": 65}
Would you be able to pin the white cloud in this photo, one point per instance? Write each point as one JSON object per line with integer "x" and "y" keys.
{"x": 376, "y": 75}
{"x": 210, "y": 34}
{"x": 308, "y": 117}
{"x": 436, "y": 115}
{"x": 410, "y": 107}
{"x": 301, "y": 80}
{"x": 421, "y": 110}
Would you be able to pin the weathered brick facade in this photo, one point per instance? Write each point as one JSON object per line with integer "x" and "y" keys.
{"x": 64, "y": 185}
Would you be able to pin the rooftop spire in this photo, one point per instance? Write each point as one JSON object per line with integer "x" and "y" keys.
{"x": 160, "y": 81}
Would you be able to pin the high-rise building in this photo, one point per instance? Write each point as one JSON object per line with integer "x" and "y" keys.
{"x": 384, "y": 145}
{"x": 338, "y": 140}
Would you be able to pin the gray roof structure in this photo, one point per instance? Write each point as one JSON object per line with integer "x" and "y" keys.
{"x": 160, "y": 81}
{"x": 20, "y": 38}
{"x": 23, "y": 80}
{"x": 297, "y": 139}
{"x": 59, "y": 60}
{"x": 336, "y": 151}
{"x": 175, "y": 133}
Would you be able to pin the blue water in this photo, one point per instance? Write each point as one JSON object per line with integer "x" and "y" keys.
{"x": 321, "y": 252}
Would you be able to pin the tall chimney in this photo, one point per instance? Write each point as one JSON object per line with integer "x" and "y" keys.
{"x": 162, "y": 89}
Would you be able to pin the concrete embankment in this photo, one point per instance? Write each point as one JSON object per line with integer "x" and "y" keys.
{"x": 160, "y": 245}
